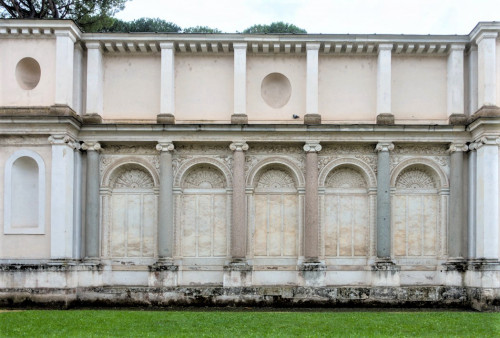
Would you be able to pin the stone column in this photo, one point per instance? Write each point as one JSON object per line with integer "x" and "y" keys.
{"x": 455, "y": 85}
{"x": 92, "y": 200}
{"x": 95, "y": 86}
{"x": 457, "y": 231}
{"x": 65, "y": 46}
{"x": 166, "y": 203}
{"x": 384, "y": 200}
{"x": 487, "y": 199}
{"x": 312, "y": 112}
{"x": 471, "y": 203}
{"x": 487, "y": 85}
{"x": 62, "y": 197}
{"x": 238, "y": 229}
{"x": 384, "y": 109}
{"x": 240, "y": 84}
{"x": 311, "y": 233}
{"x": 167, "y": 84}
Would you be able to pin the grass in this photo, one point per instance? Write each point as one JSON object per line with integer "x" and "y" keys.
{"x": 99, "y": 323}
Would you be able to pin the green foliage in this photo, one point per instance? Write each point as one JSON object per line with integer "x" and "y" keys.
{"x": 143, "y": 25}
{"x": 90, "y": 15}
{"x": 104, "y": 323}
{"x": 201, "y": 29}
{"x": 275, "y": 28}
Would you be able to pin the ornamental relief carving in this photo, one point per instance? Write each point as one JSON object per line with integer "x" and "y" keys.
{"x": 275, "y": 179}
{"x": 22, "y": 140}
{"x": 443, "y": 161}
{"x": 345, "y": 178}
{"x": 179, "y": 160}
{"x": 347, "y": 149}
{"x": 106, "y": 160}
{"x": 276, "y": 149}
{"x": 133, "y": 179}
{"x": 204, "y": 177}
{"x": 414, "y": 178}
{"x": 131, "y": 150}
{"x": 200, "y": 149}
{"x": 414, "y": 149}
{"x": 370, "y": 160}
{"x": 252, "y": 161}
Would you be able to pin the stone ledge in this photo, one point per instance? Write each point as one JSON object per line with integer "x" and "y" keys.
{"x": 458, "y": 119}
{"x": 385, "y": 119}
{"x": 92, "y": 118}
{"x": 55, "y": 110}
{"x": 485, "y": 112}
{"x": 277, "y": 296}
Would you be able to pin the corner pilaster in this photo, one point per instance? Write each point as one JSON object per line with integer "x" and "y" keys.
{"x": 95, "y": 83}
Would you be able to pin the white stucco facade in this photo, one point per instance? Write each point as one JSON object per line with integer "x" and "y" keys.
{"x": 160, "y": 162}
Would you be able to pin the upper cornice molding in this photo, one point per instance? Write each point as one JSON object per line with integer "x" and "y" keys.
{"x": 256, "y": 43}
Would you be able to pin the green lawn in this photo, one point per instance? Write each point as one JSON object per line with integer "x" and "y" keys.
{"x": 246, "y": 323}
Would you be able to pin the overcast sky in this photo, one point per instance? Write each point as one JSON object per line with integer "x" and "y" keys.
{"x": 323, "y": 16}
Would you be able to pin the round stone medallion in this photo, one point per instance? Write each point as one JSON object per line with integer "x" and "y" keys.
{"x": 28, "y": 73}
{"x": 276, "y": 90}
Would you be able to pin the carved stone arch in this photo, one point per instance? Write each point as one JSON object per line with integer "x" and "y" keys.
{"x": 354, "y": 163}
{"x": 186, "y": 167}
{"x": 129, "y": 162}
{"x": 439, "y": 177}
{"x": 278, "y": 162}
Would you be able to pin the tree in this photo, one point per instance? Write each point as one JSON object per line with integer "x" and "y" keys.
{"x": 143, "y": 25}
{"x": 201, "y": 29}
{"x": 90, "y": 15}
{"x": 275, "y": 28}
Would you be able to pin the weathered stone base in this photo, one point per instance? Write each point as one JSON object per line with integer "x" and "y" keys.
{"x": 275, "y": 296}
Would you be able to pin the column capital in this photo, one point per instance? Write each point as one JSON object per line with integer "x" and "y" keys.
{"x": 384, "y": 146}
{"x": 167, "y": 45}
{"x": 240, "y": 45}
{"x": 457, "y": 47}
{"x": 239, "y": 146}
{"x": 473, "y": 146}
{"x": 312, "y": 46}
{"x": 165, "y": 146}
{"x": 64, "y": 140}
{"x": 486, "y": 35}
{"x": 91, "y": 146}
{"x": 312, "y": 147}
{"x": 454, "y": 147}
{"x": 488, "y": 140}
{"x": 385, "y": 46}
{"x": 93, "y": 45}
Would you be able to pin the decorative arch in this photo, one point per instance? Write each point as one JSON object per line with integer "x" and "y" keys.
{"x": 10, "y": 203}
{"x": 116, "y": 167}
{"x": 358, "y": 165}
{"x": 288, "y": 165}
{"x": 433, "y": 168}
{"x": 186, "y": 167}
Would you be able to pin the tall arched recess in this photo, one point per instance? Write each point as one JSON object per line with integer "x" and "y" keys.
{"x": 24, "y": 185}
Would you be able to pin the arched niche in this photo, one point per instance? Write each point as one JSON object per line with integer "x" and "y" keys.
{"x": 24, "y": 189}
{"x": 275, "y": 212}
{"x": 204, "y": 211}
{"x": 130, "y": 209}
{"x": 347, "y": 210}
{"x": 419, "y": 202}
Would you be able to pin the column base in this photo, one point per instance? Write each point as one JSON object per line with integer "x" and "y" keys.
{"x": 385, "y": 119}
{"x": 165, "y": 119}
{"x": 456, "y": 264}
{"x": 163, "y": 273}
{"x": 483, "y": 264}
{"x": 239, "y": 119}
{"x": 92, "y": 119}
{"x": 237, "y": 273}
{"x": 312, "y": 274}
{"x": 385, "y": 273}
{"x": 457, "y": 119}
{"x": 311, "y": 119}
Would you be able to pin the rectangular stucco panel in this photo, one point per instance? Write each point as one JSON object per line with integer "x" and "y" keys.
{"x": 131, "y": 87}
{"x": 26, "y": 246}
{"x": 14, "y": 50}
{"x": 258, "y": 67}
{"x": 419, "y": 88}
{"x": 203, "y": 88}
{"x": 347, "y": 88}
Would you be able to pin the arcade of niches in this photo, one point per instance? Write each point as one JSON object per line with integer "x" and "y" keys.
{"x": 231, "y": 169}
